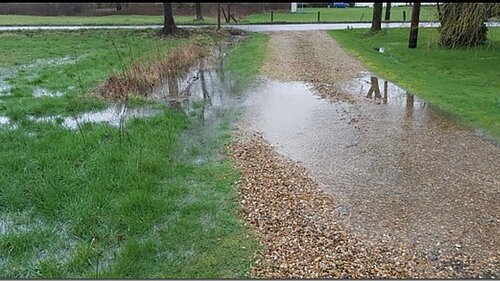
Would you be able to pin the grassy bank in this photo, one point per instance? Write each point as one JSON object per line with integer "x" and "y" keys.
{"x": 245, "y": 64}
{"x": 97, "y": 20}
{"x": 136, "y": 202}
{"x": 463, "y": 82}
{"x": 359, "y": 14}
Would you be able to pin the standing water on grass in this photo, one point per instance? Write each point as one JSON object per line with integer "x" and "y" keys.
{"x": 399, "y": 169}
{"x": 205, "y": 93}
{"x": 204, "y": 87}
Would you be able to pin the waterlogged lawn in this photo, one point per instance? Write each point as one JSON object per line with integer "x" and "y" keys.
{"x": 358, "y": 14}
{"x": 36, "y": 66}
{"x": 106, "y": 202}
{"x": 463, "y": 82}
{"x": 8, "y": 20}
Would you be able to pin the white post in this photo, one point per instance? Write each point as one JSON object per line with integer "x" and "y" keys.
{"x": 294, "y": 7}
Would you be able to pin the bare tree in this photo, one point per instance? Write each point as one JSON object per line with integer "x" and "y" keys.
{"x": 218, "y": 15}
{"x": 169, "y": 26}
{"x": 415, "y": 18}
{"x": 199, "y": 16}
{"x": 388, "y": 11}
{"x": 377, "y": 17}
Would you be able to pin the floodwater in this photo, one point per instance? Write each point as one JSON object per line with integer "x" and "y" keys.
{"x": 63, "y": 244}
{"x": 204, "y": 87}
{"x": 114, "y": 115}
{"x": 8, "y": 73}
{"x": 206, "y": 93}
{"x": 4, "y": 120}
{"x": 42, "y": 92}
{"x": 399, "y": 169}
{"x": 5, "y": 75}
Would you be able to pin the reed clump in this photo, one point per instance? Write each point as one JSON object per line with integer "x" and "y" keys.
{"x": 141, "y": 77}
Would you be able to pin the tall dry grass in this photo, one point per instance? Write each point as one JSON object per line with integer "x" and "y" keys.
{"x": 141, "y": 77}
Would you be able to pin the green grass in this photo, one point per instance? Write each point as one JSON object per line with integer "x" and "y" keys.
{"x": 363, "y": 14}
{"x": 247, "y": 59}
{"x": 109, "y": 203}
{"x": 463, "y": 82}
{"x": 97, "y": 20}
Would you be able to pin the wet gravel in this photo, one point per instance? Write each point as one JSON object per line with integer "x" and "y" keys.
{"x": 296, "y": 222}
{"x": 368, "y": 188}
{"x": 308, "y": 57}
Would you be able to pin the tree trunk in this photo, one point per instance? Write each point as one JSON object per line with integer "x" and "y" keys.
{"x": 199, "y": 16}
{"x": 218, "y": 15}
{"x": 388, "y": 11}
{"x": 415, "y": 19}
{"x": 169, "y": 26}
{"x": 377, "y": 17}
{"x": 224, "y": 13}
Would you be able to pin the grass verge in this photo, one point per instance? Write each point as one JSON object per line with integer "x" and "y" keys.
{"x": 106, "y": 203}
{"x": 305, "y": 15}
{"x": 463, "y": 82}
{"x": 12, "y": 20}
{"x": 358, "y": 14}
{"x": 247, "y": 59}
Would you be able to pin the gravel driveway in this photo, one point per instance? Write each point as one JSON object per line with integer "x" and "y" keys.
{"x": 361, "y": 183}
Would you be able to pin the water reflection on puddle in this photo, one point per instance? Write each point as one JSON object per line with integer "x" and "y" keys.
{"x": 381, "y": 91}
{"x": 5, "y": 123}
{"x": 205, "y": 83}
{"x": 297, "y": 122}
{"x": 300, "y": 123}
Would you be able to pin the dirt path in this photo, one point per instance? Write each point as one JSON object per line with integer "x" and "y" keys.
{"x": 361, "y": 186}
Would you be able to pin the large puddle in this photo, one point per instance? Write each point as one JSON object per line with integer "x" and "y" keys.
{"x": 399, "y": 169}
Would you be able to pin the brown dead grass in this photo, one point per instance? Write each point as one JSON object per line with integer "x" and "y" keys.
{"x": 141, "y": 77}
